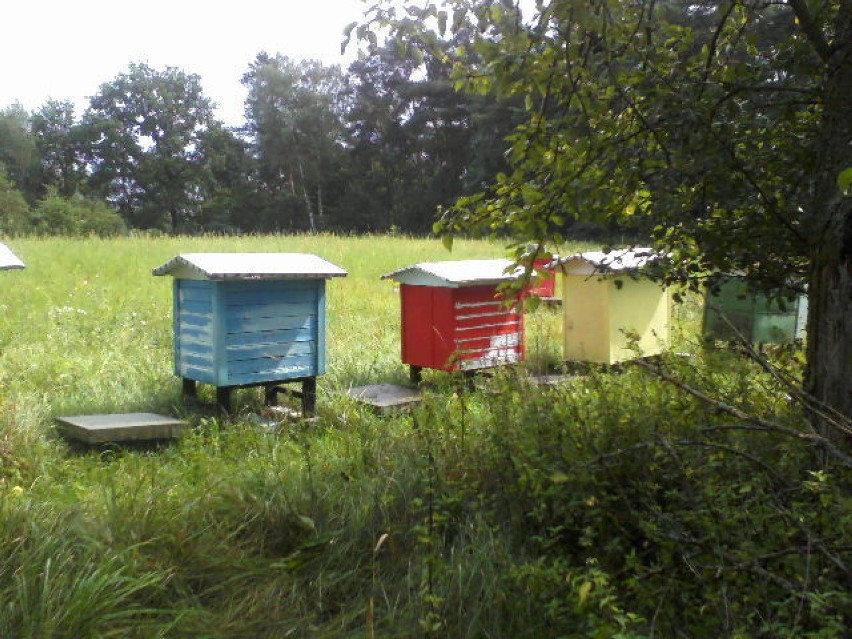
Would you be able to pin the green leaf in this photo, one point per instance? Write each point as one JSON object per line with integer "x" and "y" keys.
{"x": 530, "y": 305}
{"x": 844, "y": 181}
{"x": 447, "y": 241}
{"x": 584, "y": 591}
{"x": 558, "y": 477}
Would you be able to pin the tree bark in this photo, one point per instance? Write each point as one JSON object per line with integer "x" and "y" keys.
{"x": 828, "y": 377}
{"x": 307, "y": 198}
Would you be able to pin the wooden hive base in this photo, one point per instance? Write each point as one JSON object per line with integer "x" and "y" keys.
{"x": 120, "y": 427}
{"x": 308, "y": 394}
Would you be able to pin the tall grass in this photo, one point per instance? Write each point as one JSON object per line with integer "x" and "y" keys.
{"x": 191, "y": 536}
{"x": 512, "y": 512}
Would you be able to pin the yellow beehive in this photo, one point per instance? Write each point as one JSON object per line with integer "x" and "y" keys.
{"x": 607, "y": 303}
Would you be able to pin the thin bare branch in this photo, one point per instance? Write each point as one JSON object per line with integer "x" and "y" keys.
{"x": 810, "y": 438}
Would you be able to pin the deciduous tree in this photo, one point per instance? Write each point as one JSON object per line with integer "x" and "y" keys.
{"x": 723, "y": 128}
{"x": 293, "y": 114}
{"x": 144, "y": 127}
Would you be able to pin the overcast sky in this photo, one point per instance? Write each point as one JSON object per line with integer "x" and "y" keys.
{"x": 63, "y": 50}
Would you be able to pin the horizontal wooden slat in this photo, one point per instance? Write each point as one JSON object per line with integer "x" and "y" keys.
{"x": 204, "y": 307}
{"x": 194, "y": 294}
{"x": 485, "y": 314}
{"x": 490, "y": 341}
{"x": 479, "y": 332}
{"x": 196, "y": 333}
{"x": 254, "y": 325}
{"x": 473, "y": 361}
{"x": 254, "y": 371}
{"x": 266, "y": 351}
{"x": 265, "y": 298}
{"x": 269, "y": 364}
{"x": 241, "y": 288}
{"x": 299, "y": 334}
{"x": 493, "y": 326}
{"x": 191, "y": 346}
{"x": 197, "y": 359}
{"x": 198, "y": 373}
{"x": 278, "y": 309}
{"x": 490, "y": 305}
{"x": 195, "y": 319}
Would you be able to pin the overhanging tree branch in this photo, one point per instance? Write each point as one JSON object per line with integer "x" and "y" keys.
{"x": 815, "y": 36}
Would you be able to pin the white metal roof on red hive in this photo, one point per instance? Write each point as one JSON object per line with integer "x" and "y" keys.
{"x": 457, "y": 273}
{"x": 249, "y": 266}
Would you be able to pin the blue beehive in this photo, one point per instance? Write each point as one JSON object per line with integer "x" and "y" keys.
{"x": 250, "y": 319}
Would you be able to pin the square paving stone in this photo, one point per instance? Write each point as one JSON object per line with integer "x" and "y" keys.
{"x": 386, "y": 396}
{"x": 121, "y": 427}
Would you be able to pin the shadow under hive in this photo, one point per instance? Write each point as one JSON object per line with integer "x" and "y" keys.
{"x": 250, "y": 319}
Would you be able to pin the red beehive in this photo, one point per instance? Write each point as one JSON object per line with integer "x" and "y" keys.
{"x": 546, "y": 285}
{"x": 454, "y": 318}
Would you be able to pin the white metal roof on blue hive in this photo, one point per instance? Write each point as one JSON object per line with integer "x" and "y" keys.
{"x": 619, "y": 260}
{"x": 457, "y": 273}
{"x": 9, "y": 260}
{"x": 249, "y": 266}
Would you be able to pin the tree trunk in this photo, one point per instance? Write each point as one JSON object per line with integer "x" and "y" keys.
{"x": 319, "y": 202}
{"x": 307, "y": 198}
{"x": 828, "y": 377}
{"x": 829, "y": 372}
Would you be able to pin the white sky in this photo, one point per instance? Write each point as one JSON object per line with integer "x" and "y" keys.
{"x": 64, "y": 50}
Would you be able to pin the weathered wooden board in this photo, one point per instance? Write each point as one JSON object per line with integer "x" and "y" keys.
{"x": 121, "y": 427}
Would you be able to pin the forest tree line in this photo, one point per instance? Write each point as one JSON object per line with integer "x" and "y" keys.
{"x": 376, "y": 147}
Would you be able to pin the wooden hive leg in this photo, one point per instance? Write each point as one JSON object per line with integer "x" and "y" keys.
{"x": 270, "y": 395}
{"x": 309, "y": 396}
{"x": 469, "y": 381}
{"x": 415, "y": 374}
{"x": 189, "y": 388}
{"x": 223, "y": 398}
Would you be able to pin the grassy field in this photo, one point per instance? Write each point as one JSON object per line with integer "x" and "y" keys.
{"x": 86, "y": 328}
{"x": 479, "y": 515}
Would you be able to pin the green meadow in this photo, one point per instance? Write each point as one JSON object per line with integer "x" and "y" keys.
{"x": 614, "y": 505}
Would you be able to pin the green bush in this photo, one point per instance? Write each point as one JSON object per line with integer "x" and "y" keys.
{"x": 14, "y": 211}
{"x": 76, "y": 215}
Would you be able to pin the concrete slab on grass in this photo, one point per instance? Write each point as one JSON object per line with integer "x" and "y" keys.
{"x": 386, "y": 396}
{"x": 550, "y": 380}
{"x": 120, "y": 427}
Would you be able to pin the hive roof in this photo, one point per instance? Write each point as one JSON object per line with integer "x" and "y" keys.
{"x": 457, "y": 273}
{"x": 249, "y": 266}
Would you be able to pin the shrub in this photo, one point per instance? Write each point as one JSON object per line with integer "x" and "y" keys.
{"x": 14, "y": 212}
{"x": 76, "y": 215}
